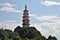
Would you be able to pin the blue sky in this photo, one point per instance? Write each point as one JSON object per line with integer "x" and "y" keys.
{"x": 44, "y": 15}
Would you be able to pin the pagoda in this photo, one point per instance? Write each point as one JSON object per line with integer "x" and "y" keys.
{"x": 25, "y": 18}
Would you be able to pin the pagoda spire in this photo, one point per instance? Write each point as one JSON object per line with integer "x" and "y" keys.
{"x": 25, "y": 7}
{"x": 25, "y": 18}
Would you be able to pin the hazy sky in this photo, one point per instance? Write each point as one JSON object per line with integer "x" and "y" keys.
{"x": 44, "y": 15}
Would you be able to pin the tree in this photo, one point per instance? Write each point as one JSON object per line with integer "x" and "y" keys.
{"x": 51, "y": 38}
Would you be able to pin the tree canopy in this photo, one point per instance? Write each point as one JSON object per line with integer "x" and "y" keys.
{"x": 23, "y": 33}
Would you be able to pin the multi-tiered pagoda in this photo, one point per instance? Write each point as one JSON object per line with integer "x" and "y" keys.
{"x": 25, "y": 18}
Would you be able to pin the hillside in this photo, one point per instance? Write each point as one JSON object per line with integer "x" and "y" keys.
{"x": 31, "y": 33}
{"x": 23, "y": 33}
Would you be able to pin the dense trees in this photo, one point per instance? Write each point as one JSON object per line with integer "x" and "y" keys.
{"x": 23, "y": 33}
{"x": 28, "y": 32}
{"x": 8, "y": 35}
{"x": 31, "y": 33}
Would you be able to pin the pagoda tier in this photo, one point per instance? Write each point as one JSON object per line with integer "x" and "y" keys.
{"x": 25, "y": 16}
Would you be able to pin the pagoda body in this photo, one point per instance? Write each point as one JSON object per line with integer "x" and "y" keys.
{"x": 25, "y": 18}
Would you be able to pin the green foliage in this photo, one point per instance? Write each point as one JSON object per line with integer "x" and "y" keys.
{"x": 23, "y": 33}
{"x": 8, "y": 35}
{"x": 29, "y": 33}
{"x": 16, "y": 37}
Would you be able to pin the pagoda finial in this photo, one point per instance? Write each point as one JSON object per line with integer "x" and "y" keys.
{"x": 25, "y": 7}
